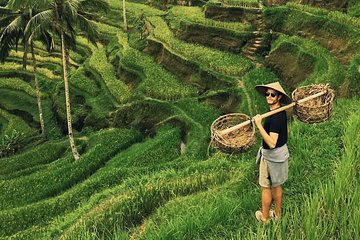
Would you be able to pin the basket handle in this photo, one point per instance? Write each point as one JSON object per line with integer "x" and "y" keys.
{"x": 265, "y": 115}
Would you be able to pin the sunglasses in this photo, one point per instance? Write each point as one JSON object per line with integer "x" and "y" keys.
{"x": 270, "y": 94}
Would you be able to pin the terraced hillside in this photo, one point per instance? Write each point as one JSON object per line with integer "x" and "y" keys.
{"x": 143, "y": 101}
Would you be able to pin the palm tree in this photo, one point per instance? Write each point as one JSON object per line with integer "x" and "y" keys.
{"x": 12, "y": 24}
{"x": 62, "y": 17}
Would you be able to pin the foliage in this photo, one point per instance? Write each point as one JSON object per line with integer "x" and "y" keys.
{"x": 165, "y": 185}
{"x": 195, "y": 14}
{"x": 292, "y": 21}
{"x": 242, "y": 3}
{"x": 80, "y": 79}
{"x": 43, "y": 154}
{"x": 57, "y": 179}
{"x": 15, "y": 122}
{"x": 42, "y": 71}
{"x": 327, "y": 68}
{"x": 353, "y": 77}
{"x": 10, "y": 144}
{"x": 337, "y": 16}
{"x": 17, "y": 84}
{"x": 225, "y": 63}
{"x": 117, "y": 88}
{"x": 155, "y": 81}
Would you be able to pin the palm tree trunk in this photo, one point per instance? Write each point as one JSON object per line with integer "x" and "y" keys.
{"x": 24, "y": 60}
{"x": 124, "y": 16}
{"x": 38, "y": 93}
{"x": 67, "y": 100}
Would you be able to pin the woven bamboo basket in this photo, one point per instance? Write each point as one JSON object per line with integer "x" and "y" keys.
{"x": 237, "y": 141}
{"x": 315, "y": 110}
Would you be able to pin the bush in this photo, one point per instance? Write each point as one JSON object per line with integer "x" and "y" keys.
{"x": 10, "y": 144}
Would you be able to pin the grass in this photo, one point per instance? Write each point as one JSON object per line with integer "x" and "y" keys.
{"x": 225, "y": 63}
{"x": 14, "y": 122}
{"x": 155, "y": 81}
{"x": 98, "y": 62}
{"x": 43, "y": 154}
{"x": 243, "y": 3}
{"x": 56, "y": 180}
{"x": 17, "y": 84}
{"x": 337, "y": 16}
{"x": 130, "y": 186}
{"x": 49, "y": 75}
{"x": 177, "y": 14}
{"x": 331, "y": 210}
{"x": 326, "y": 70}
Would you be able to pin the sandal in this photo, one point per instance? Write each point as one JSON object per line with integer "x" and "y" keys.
{"x": 273, "y": 215}
{"x": 259, "y": 217}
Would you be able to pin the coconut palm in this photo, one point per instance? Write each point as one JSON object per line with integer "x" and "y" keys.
{"x": 12, "y": 26}
{"x": 64, "y": 18}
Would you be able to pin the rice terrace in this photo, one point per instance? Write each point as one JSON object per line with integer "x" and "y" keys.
{"x": 115, "y": 118}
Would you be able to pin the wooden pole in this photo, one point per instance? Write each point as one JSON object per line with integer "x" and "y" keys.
{"x": 265, "y": 115}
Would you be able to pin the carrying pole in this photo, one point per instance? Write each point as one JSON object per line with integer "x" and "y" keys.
{"x": 265, "y": 115}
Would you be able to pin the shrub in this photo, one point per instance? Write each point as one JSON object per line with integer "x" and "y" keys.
{"x": 10, "y": 144}
{"x": 15, "y": 122}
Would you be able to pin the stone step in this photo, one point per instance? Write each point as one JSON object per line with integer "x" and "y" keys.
{"x": 248, "y": 52}
{"x": 256, "y": 45}
{"x": 251, "y": 57}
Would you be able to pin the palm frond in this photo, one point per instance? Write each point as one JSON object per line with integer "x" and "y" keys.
{"x": 39, "y": 20}
{"x": 96, "y": 6}
{"x": 26, "y": 4}
{"x": 7, "y": 43}
{"x": 13, "y": 26}
{"x": 88, "y": 27}
{"x": 47, "y": 39}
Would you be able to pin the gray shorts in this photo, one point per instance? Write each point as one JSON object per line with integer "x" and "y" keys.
{"x": 272, "y": 174}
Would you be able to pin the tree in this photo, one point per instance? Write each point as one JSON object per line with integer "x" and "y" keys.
{"x": 64, "y": 18}
{"x": 13, "y": 23}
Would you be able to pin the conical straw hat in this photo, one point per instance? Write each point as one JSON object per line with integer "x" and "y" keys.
{"x": 276, "y": 86}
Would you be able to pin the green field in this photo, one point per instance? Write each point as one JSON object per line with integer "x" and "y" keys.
{"x": 142, "y": 104}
